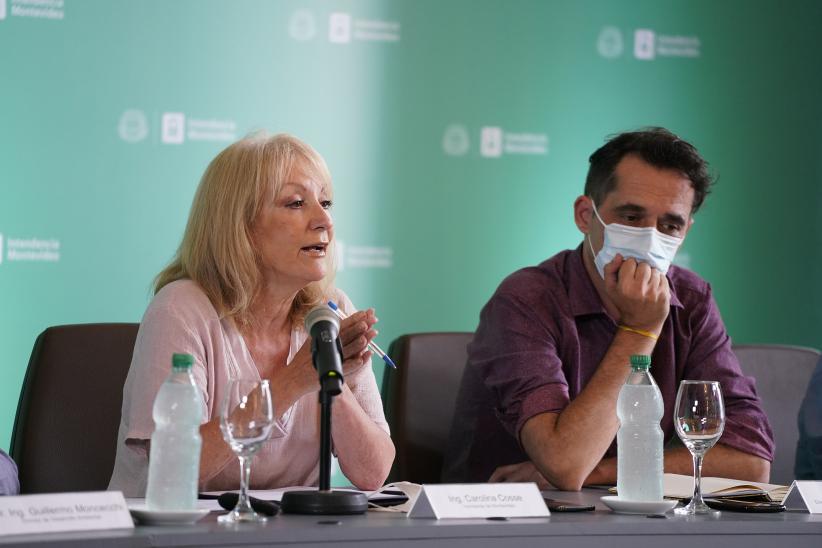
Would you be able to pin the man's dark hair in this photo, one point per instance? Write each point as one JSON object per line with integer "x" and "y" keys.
{"x": 656, "y": 146}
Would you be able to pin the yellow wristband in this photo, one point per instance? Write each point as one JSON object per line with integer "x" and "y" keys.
{"x": 639, "y": 332}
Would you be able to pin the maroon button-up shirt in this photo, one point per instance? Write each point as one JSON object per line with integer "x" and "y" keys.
{"x": 542, "y": 336}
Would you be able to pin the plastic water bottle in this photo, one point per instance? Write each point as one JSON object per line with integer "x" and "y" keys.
{"x": 639, "y": 440}
{"x": 174, "y": 457}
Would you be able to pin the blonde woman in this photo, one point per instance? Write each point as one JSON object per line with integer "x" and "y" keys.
{"x": 255, "y": 257}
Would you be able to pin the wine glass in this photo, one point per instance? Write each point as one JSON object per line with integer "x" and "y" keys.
{"x": 699, "y": 418}
{"x": 246, "y": 420}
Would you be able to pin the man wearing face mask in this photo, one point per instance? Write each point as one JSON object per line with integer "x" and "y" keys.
{"x": 538, "y": 397}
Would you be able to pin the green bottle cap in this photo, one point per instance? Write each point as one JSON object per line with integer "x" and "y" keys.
{"x": 182, "y": 361}
{"x": 640, "y": 361}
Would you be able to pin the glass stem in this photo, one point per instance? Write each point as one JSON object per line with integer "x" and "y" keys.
{"x": 697, "y": 498}
{"x": 243, "y": 505}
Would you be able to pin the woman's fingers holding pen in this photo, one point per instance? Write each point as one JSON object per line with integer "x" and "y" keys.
{"x": 355, "y": 363}
{"x": 366, "y": 316}
{"x": 356, "y": 332}
{"x": 358, "y": 345}
{"x": 356, "y": 324}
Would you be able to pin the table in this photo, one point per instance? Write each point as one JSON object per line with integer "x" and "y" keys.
{"x": 599, "y": 529}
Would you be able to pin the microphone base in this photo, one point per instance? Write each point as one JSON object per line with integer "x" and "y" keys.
{"x": 324, "y": 503}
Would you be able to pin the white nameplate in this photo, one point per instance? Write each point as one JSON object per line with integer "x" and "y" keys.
{"x": 64, "y": 512}
{"x": 805, "y": 495}
{"x": 479, "y": 500}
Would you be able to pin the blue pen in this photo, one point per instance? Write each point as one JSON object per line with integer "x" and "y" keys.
{"x": 333, "y": 306}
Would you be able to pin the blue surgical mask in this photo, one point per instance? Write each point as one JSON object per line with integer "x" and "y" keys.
{"x": 645, "y": 244}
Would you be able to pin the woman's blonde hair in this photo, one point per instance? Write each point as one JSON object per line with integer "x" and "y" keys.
{"x": 217, "y": 250}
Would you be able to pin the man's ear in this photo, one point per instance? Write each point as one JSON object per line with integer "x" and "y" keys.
{"x": 583, "y": 213}
{"x": 688, "y": 228}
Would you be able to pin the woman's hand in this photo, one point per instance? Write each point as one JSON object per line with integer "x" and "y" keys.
{"x": 290, "y": 383}
{"x": 355, "y": 334}
{"x": 356, "y": 331}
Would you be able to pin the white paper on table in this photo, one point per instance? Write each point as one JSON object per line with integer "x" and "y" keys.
{"x": 681, "y": 486}
{"x": 411, "y": 490}
{"x": 266, "y": 494}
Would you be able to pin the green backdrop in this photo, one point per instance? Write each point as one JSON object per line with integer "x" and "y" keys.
{"x": 457, "y": 133}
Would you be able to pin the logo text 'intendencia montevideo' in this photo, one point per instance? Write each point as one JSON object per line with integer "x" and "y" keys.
{"x": 29, "y": 249}
{"x": 648, "y": 44}
{"x": 343, "y": 28}
{"x": 175, "y": 128}
{"x": 33, "y": 9}
{"x": 363, "y": 256}
{"x": 494, "y": 142}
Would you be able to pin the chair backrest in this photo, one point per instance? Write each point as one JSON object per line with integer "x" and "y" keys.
{"x": 65, "y": 431}
{"x": 419, "y": 398}
{"x": 782, "y": 375}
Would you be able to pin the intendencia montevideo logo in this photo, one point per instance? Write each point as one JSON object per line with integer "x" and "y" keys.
{"x": 133, "y": 126}
{"x": 302, "y": 26}
{"x": 455, "y": 140}
{"x": 29, "y": 249}
{"x": 609, "y": 42}
{"x": 35, "y": 9}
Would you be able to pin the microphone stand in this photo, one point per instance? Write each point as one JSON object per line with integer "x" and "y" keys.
{"x": 325, "y": 501}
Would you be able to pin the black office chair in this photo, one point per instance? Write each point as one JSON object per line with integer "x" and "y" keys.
{"x": 419, "y": 398}
{"x": 65, "y": 431}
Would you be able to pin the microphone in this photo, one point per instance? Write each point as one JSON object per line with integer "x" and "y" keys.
{"x": 326, "y": 351}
